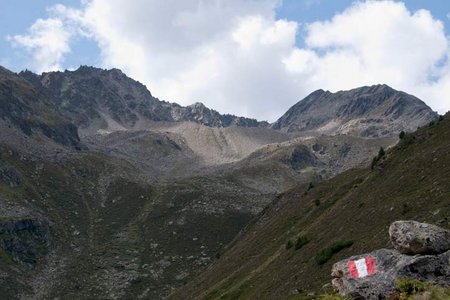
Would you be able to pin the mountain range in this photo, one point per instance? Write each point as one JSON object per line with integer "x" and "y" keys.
{"x": 107, "y": 192}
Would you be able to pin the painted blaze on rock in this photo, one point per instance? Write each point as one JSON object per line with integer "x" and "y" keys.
{"x": 362, "y": 267}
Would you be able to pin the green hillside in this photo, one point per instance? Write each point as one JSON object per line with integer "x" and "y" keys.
{"x": 292, "y": 244}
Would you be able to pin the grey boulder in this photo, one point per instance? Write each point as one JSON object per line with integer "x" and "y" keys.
{"x": 412, "y": 237}
{"x": 388, "y": 265}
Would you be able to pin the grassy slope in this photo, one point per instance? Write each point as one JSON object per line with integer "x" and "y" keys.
{"x": 113, "y": 235}
{"x": 412, "y": 182}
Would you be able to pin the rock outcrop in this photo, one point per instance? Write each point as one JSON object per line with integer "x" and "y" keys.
{"x": 24, "y": 240}
{"x": 373, "y": 275}
{"x": 31, "y": 110}
{"x": 8, "y": 174}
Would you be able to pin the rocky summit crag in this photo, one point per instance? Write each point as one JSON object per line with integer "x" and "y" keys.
{"x": 109, "y": 100}
{"x": 106, "y": 192}
{"x": 371, "y": 111}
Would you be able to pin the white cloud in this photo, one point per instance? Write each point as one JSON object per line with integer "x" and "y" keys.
{"x": 377, "y": 42}
{"x": 217, "y": 52}
{"x": 48, "y": 41}
{"x": 236, "y": 57}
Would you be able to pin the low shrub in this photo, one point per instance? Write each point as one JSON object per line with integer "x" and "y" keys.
{"x": 409, "y": 286}
{"x": 289, "y": 244}
{"x": 326, "y": 254}
{"x": 406, "y": 140}
{"x": 301, "y": 241}
{"x": 376, "y": 159}
{"x": 413, "y": 289}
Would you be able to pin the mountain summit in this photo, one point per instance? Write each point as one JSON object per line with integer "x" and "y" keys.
{"x": 369, "y": 111}
{"x": 109, "y": 100}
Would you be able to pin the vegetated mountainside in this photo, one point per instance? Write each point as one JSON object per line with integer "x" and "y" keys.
{"x": 291, "y": 245}
{"x": 370, "y": 111}
{"x": 91, "y": 224}
{"x": 147, "y": 194}
{"x": 107, "y": 232}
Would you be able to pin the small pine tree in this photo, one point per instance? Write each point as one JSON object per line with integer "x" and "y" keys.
{"x": 381, "y": 153}
{"x": 401, "y": 135}
{"x": 301, "y": 241}
{"x": 374, "y": 162}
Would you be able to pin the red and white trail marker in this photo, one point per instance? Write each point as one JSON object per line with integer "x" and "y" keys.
{"x": 362, "y": 267}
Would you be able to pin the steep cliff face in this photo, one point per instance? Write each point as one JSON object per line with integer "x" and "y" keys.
{"x": 371, "y": 111}
{"x": 29, "y": 109}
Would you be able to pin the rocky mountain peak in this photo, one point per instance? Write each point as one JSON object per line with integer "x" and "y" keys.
{"x": 98, "y": 99}
{"x": 95, "y": 99}
{"x": 369, "y": 111}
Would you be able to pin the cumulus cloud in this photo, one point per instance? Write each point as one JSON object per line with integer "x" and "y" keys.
{"x": 223, "y": 53}
{"x": 377, "y": 42}
{"x": 237, "y": 57}
{"x": 47, "y": 41}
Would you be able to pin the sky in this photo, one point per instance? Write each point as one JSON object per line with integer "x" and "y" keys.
{"x": 253, "y": 58}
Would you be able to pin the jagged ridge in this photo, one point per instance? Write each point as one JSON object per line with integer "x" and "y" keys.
{"x": 96, "y": 97}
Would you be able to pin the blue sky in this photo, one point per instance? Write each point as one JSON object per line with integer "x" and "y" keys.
{"x": 17, "y": 15}
{"x": 250, "y": 57}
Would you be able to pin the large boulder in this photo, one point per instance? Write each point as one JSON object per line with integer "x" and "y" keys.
{"x": 373, "y": 275}
{"x": 411, "y": 237}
